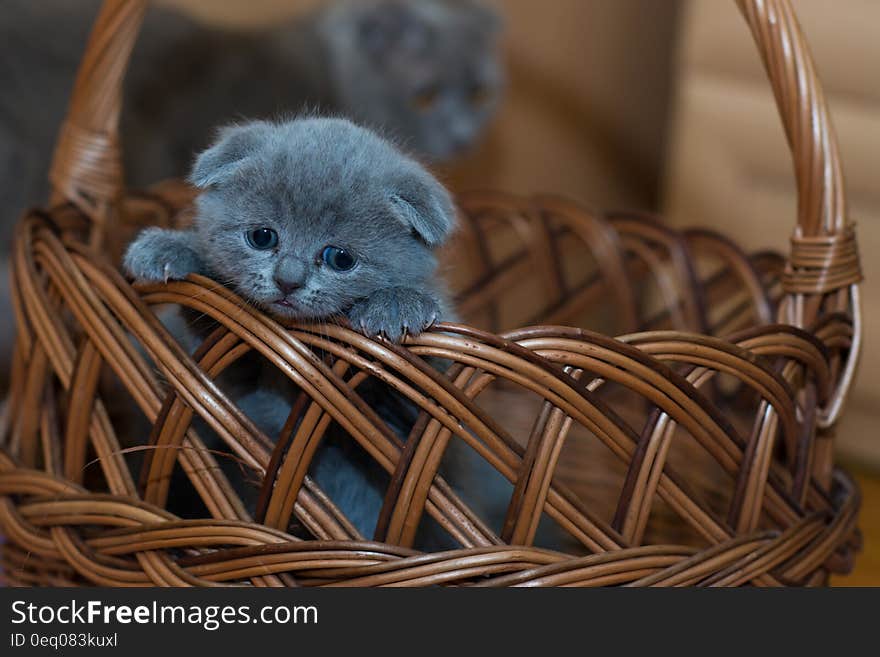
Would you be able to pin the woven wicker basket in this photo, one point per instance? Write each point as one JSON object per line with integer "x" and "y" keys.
{"x": 696, "y": 449}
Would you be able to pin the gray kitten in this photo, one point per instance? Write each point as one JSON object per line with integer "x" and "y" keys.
{"x": 308, "y": 219}
{"x": 315, "y": 218}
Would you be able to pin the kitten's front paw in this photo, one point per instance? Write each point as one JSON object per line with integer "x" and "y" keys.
{"x": 394, "y": 313}
{"x": 159, "y": 255}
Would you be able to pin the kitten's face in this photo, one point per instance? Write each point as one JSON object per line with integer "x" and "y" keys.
{"x": 310, "y": 220}
{"x": 426, "y": 71}
{"x": 302, "y": 251}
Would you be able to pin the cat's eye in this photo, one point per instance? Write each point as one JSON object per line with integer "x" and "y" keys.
{"x": 262, "y": 238}
{"x": 426, "y": 98}
{"x": 337, "y": 258}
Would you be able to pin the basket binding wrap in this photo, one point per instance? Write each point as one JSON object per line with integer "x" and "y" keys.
{"x": 753, "y": 501}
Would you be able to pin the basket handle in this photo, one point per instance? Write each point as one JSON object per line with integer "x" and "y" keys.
{"x": 86, "y": 167}
{"x": 823, "y": 263}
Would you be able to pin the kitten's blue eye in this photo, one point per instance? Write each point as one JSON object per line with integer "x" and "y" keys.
{"x": 338, "y": 259}
{"x": 262, "y": 238}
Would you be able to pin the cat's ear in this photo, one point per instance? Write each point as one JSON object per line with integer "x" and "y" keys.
{"x": 232, "y": 147}
{"x": 424, "y": 206}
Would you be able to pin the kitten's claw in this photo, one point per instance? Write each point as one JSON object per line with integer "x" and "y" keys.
{"x": 159, "y": 255}
{"x": 394, "y": 313}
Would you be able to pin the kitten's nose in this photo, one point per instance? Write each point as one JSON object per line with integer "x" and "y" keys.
{"x": 290, "y": 275}
{"x": 287, "y": 287}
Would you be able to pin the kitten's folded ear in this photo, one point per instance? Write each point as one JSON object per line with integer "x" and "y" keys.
{"x": 232, "y": 147}
{"x": 424, "y": 205}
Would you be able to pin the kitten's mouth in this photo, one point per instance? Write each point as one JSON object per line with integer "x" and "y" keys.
{"x": 291, "y": 310}
{"x": 285, "y": 308}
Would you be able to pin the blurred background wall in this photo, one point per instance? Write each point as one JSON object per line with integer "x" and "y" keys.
{"x": 662, "y": 105}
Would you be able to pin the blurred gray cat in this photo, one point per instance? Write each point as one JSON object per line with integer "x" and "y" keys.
{"x": 310, "y": 219}
{"x": 424, "y": 71}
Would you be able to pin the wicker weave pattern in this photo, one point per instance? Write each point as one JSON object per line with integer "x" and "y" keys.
{"x": 550, "y": 362}
{"x": 699, "y": 362}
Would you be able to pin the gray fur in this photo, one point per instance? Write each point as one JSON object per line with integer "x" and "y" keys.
{"x": 179, "y": 247}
